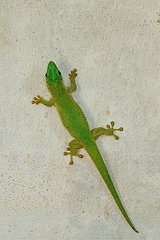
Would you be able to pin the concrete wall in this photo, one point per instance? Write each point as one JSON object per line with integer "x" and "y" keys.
{"x": 115, "y": 47}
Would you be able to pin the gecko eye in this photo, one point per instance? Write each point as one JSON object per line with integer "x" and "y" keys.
{"x": 46, "y": 75}
{"x": 59, "y": 72}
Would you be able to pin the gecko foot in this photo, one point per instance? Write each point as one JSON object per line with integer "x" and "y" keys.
{"x": 73, "y": 74}
{"x": 72, "y": 154}
{"x": 111, "y": 130}
{"x": 37, "y": 100}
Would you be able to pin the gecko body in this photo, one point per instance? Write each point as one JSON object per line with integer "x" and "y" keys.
{"x": 76, "y": 123}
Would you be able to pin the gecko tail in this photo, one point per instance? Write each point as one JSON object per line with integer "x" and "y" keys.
{"x": 98, "y": 161}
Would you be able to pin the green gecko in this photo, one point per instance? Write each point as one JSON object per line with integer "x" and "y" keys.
{"x": 76, "y": 123}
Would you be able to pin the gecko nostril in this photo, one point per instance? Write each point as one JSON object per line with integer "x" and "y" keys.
{"x": 46, "y": 75}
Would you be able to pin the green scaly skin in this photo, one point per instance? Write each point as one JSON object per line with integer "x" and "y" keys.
{"x": 76, "y": 123}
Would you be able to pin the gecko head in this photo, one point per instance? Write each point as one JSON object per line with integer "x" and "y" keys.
{"x": 53, "y": 75}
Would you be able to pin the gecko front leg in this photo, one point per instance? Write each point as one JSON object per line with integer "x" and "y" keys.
{"x": 72, "y": 77}
{"x": 41, "y": 100}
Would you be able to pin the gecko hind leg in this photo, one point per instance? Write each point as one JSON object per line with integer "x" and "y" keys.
{"x": 97, "y": 132}
{"x": 74, "y": 145}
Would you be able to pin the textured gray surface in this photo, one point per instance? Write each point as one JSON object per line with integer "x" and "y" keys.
{"x": 115, "y": 47}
